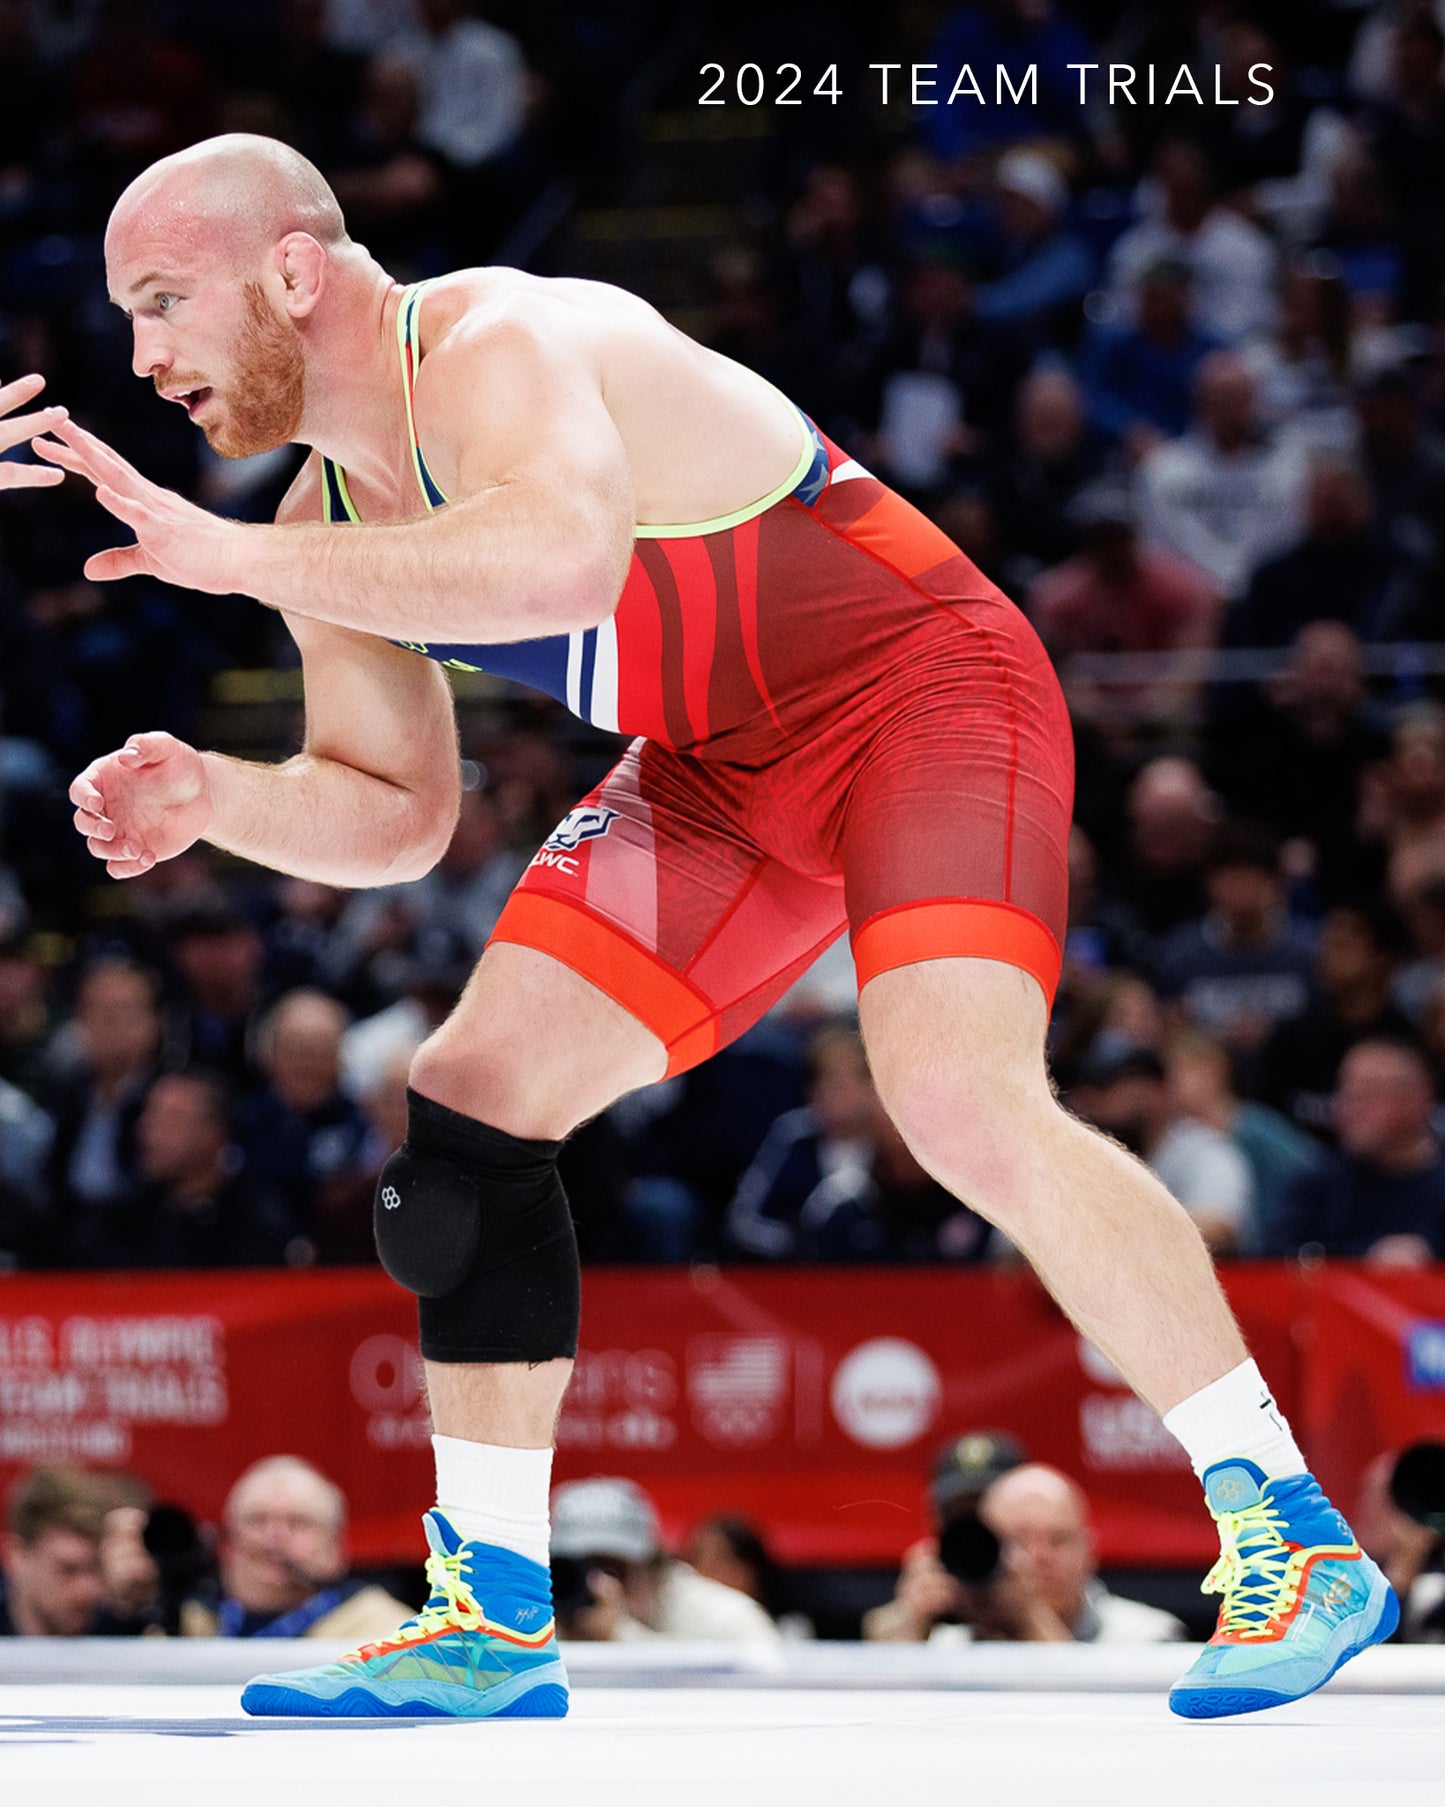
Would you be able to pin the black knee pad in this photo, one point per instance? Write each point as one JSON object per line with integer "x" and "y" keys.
{"x": 475, "y": 1222}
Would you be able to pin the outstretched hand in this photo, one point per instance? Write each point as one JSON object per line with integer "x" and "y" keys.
{"x": 149, "y": 801}
{"x": 175, "y": 541}
{"x": 23, "y": 428}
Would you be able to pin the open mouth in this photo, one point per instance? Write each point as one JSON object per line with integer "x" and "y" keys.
{"x": 195, "y": 401}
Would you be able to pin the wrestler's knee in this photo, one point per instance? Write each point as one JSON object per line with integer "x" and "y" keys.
{"x": 985, "y": 1139}
{"x": 474, "y": 1220}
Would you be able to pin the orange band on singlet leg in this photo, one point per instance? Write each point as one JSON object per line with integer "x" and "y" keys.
{"x": 632, "y": 976}
{"x": 975, "y": 928}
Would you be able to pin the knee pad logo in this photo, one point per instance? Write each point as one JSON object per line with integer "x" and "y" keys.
{"x": 585, "y": 823}
{"x": 390, "y": 1198}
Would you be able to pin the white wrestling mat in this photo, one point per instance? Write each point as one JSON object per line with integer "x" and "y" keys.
{"x": 828, "y": 1726}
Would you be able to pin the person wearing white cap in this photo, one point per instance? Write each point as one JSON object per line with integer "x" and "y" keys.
{"x": 1043, "y": 265}
{"x": 614, "y": 1581}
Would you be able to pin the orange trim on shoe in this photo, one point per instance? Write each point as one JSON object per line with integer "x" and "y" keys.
{"x": 969, "y": 928}
{"x": 630, "y": 974}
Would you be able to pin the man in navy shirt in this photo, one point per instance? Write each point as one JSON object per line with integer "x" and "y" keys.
{"x": 1382, "y": 1193}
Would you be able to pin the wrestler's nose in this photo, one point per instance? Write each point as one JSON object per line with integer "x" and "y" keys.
{"x": 150, "y": 356}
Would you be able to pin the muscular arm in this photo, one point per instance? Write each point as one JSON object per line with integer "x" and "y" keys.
{"x": 371, "y": 799}
{"x": 372, "y": 796}
{"x": 536, "y": 539}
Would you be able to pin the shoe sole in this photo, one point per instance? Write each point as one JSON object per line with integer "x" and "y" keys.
{"x": 540, "y": 1695}
{"x": 1208, "y": 1702}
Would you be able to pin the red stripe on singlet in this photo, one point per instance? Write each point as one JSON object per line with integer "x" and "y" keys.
{"x": 745, "y": 567}
{"x": 697, "y": 593}
{"x": 669, "y": 623}
{"x": 639, "y": 646}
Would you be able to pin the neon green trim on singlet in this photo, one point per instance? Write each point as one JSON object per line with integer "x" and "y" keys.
{"x": 720, "y": 523}
{"x": 404, "y": 312}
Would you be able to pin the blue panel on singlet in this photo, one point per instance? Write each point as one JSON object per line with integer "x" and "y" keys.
{"x": 541, "y": 663}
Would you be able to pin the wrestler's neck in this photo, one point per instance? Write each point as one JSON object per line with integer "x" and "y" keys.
{"x": 355, "y": 410}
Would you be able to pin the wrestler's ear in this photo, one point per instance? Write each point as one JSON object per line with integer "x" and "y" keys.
{"x": 302, "y": 265}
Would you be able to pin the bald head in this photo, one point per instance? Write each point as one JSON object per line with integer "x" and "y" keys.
{"x": 221, "y": 256}
{"x": 239, "y": 193}
{"x": 1041, "y": 1519}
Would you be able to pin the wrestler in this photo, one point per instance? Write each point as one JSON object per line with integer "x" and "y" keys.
{"x": 839, "y": 726}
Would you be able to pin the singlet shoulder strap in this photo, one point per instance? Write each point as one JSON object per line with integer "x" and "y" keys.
{"x": 336, "y": 502}
{"x": 406, "y": 336}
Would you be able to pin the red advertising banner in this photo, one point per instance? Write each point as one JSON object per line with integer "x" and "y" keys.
{"x": 811, "y": 1400}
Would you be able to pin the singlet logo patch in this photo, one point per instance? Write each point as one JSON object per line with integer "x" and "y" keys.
{"x": 585, "y": 823}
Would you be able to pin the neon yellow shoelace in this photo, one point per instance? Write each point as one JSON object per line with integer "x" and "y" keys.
{"x": 1256, "y": 1571}
{"x": 452, "y": 1603}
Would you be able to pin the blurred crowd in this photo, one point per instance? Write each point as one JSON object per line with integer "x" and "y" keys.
{"x": 1174, "y": 377}
{"x": 1011, "y": 1557}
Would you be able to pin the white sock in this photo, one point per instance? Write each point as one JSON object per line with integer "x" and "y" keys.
{"x": 496, "y": 1495}
{"x": 1236, "y": 1416}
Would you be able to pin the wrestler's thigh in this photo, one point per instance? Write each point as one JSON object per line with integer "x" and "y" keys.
{"x": 534, "y": 1048}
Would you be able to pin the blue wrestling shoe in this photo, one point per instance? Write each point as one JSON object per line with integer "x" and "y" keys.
{"x": 1300, "y": 1595}
{"x": 483, "y": 1647}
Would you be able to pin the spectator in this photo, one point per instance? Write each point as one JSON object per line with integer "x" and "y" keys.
{"x": 131, "y": 1599}
{"x": 302, "y": 1131}
{"x": 1303, "y": 371}
{"x": 732, "y": 1550}
{"x": 1245, "y": 965}
{"x": 1230, "y": 262}
{"x": 473, "y": 82}
{"x": 615, "y": 1583}
{"x": 1356, "y": 956}
{"x": 1345, "y": 567}
{"x": 388, "y": 184}
{"x": 25, "y": 1020}
{"x": 1381, "y": 1193}
{"x": 1041, "y": 266}
{"x": 195, "y": 1208}
{"x": 1048, "y": 1588}
{"x": 1403, "y": 459}
{"x": 1123, "y": 1090}
{"x": 892, "y": 1211}
{"x": 53, "y": 1585}
{"x": 834, "y": 1133}
{"x": 1275, "y": 1150}
{"x": 284, "y": 1563}
{"x": 943, "y": 381}
{"x": 1053, "y": 454}
{"x": 1139, "y": 374}
{"x": 219, "y": 956}
{"x": 927, "y": 1596}
{"x": 1314, "y": 730}
{"x": 1115, "y": 595}
{"x": 1173, "y": 821}
{"x": 115, "y": 1039}
{"x": 1407, "y": 1551}
{"x": 1223, "y": 495}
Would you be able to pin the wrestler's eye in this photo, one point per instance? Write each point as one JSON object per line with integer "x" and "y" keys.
{"x": 164, "y": 302}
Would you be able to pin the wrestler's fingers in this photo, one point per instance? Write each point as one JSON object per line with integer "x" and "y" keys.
{"x": 84, "y": 792}
{"x": 19, "y": 390}
{"x": 144, "y": 749}
{"x": 120, "y": 561}
{"x": 31, "y": 476}
{"x": 93, "y": 827}
{"x": 107, "y": 463}
{"x": 20, "y": 427}
{"x": 132, "y": 868}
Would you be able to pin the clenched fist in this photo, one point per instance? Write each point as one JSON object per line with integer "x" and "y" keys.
{"x": 147, "y": 802}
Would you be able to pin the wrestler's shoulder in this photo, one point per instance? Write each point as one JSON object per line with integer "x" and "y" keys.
{"x": 496, "y": 300}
